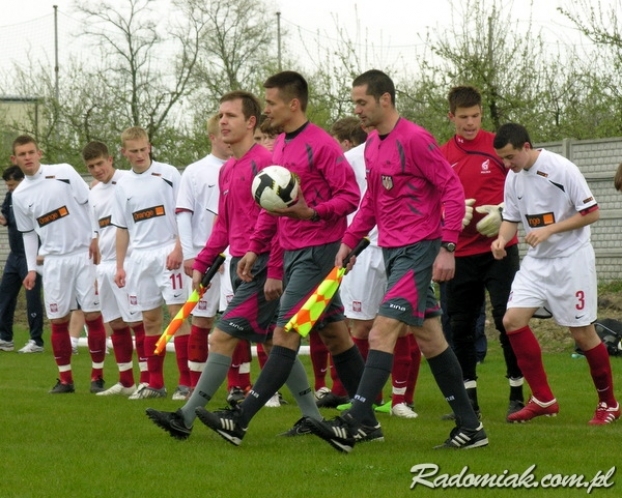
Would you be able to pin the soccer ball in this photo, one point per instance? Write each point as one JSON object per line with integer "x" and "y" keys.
{"x": 275, "y": 187}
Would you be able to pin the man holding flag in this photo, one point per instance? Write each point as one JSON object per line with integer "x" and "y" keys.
{"x": 410, "y": 186}
{"x": 309, "y": 233}
{"x": 251, "y": 312}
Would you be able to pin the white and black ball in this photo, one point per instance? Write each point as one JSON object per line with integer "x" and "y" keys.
{"x": 275, "y": 187}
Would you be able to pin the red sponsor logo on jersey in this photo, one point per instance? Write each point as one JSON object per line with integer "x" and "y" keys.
{"x": 104, "y": 222}
{"x": 356, "y": 306}
{"x": 387, "y": 182}
{"x": 52, "y": 216}
{"x": 147, "y": 214}
{"x": 540, "y": 220}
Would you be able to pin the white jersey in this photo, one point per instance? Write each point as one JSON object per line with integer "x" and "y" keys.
{"x": 552, "y": 190}
{"x": 198, "y": 193}
{"x": 356, "y": 159}
{"x": 145, "y": 205}
{"x": 101, "y": 200}
{"x": 365, "y": 285}
{"x": 54, "y": 203}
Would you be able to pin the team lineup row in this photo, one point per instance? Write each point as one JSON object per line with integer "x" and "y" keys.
{"x": 447, "y": 214}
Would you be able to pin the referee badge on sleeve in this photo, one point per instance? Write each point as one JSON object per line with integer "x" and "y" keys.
{"x": 387, "y": 182}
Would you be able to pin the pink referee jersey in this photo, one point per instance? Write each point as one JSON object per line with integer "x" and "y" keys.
{"x": 409, "y": 183}
{"x": 328, "y": 185}
{"x": 237, "y": 210}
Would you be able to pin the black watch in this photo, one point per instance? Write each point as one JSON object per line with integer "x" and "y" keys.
{"x": 449, "y": 246}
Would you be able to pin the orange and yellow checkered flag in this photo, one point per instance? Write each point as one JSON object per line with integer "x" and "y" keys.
{"x": 311, "y": 311}
{"x": 188, "y": 306}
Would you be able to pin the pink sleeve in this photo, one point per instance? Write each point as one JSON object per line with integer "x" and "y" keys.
{"x": 217, "y": 243}
{"x": 275, "y": 263}
{"x": 265, "y": 231}
{"x": 364, "y": 220}
{"x": 438, "y": 170}
{"x": 218, "y": 239}
{"x": 340, "y": 179}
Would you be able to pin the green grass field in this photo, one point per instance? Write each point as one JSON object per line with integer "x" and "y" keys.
{"x": 81, "y": 445}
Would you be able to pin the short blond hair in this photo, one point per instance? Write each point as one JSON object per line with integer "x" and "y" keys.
{"x": 133, "y": 133}
{"x": 213, "y": 126}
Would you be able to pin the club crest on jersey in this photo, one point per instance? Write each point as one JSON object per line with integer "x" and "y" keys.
{"x": 133, "y": 300}
{"x": 202, "y": 305}
{"x": 53, "y": 308}
{"x": 486, "y": 166}
{"x": 146, "y": 214}
{"x": 387, "y": 182}
{"x": 356, "y": 306}
{"x": 48, "y": 218}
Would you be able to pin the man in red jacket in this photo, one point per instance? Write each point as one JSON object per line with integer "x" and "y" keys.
{"x": 482, "y": 174}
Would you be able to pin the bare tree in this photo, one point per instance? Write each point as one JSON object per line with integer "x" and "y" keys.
{"x": 601, "y": 22}
{"x": 482, "y": 47}
{"x": 148, "y": 60}
{"x": 237, "y": 51}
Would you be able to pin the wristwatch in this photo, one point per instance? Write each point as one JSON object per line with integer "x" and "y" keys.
{"x": 449, "y": 246}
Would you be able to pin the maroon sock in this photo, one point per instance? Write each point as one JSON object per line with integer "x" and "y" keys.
{"x": 529, "y": 358}
{"x": 363, "y": 345}
{"x": 123, "y": 349}
{"x": 399, "y": 372}
{"x": 96, "y": 339}
{"x": 155, "y": 362}
{"x": 413, "y": 373}
{"x": 181, "y": 355}
{"x": 234, "y": 378}
{"x": 319, "y": 359}
{"x": 61, "y": 345}
{"x": 197, "y": 352}
{"x": 600, "y": 370}
{"x": 262, "y": 356}
{"x": 139, "y": 338}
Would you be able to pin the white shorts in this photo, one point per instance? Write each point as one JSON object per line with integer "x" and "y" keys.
{"x": 69, "y": 282}
{"x": 115, "y": 301}
{"x": 567, "y": 287}
{"x": 226, "y": 289}
{"x": 364, "y": 287}
{"x": 153, "y": 283}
